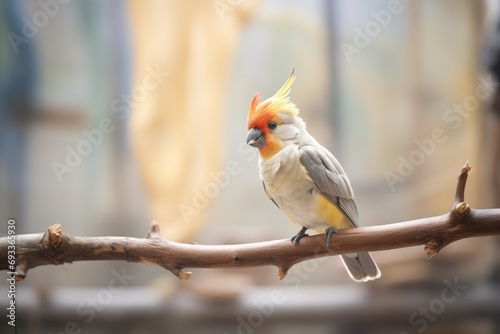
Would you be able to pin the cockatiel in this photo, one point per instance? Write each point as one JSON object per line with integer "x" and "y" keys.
{"x": 303, "y": 178}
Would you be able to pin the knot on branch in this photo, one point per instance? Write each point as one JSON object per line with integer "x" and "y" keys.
{"x": 184, "y": 275}
{"x": 55, "y": 235}
{"x": 21, "y": 269}
{"x": 154, "y": 231}
{"x": 459, "y": 213}
{"x": 55, "y": 245}
{"x": 283, "y": 268}
{"x": 282, "y": 273}
{"x": 432, "y": 247}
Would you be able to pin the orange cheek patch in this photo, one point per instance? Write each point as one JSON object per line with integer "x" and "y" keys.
{"x": 272, "y": 147}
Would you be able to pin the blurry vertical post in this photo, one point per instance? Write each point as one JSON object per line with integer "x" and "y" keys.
{"x": 95, "y": 137}
{"x": 371, "y": 30}
{"x": 30, "y": 27}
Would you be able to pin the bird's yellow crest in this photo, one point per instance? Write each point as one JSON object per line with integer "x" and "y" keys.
{"x": 278, "y": 103}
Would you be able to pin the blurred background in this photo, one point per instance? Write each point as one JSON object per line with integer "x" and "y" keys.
{"x": 117, "y": 113}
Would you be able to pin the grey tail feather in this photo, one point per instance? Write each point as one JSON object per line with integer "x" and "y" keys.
{"x": 361, "y": 267}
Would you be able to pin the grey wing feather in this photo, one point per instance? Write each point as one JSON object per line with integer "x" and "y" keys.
{"x": 331, "y": 180}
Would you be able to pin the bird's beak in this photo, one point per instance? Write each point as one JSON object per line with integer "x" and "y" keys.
{"x": 255, "y": 138}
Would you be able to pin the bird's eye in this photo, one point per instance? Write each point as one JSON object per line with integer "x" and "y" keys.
{"x": 272, "y": 125}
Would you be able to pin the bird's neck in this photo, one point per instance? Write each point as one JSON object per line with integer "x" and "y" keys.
{"x": 273, "y": 146}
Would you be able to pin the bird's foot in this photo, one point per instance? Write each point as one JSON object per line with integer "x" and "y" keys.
{"x": 302, "y": 233}
{"x": 328, "y": 233}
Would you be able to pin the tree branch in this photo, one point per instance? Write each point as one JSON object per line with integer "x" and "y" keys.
{"x": 55, "y": 247}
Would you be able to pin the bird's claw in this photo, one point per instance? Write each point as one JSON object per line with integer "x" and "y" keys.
{"x": 302, "y": 233}
{"x": 328, "y": 234}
